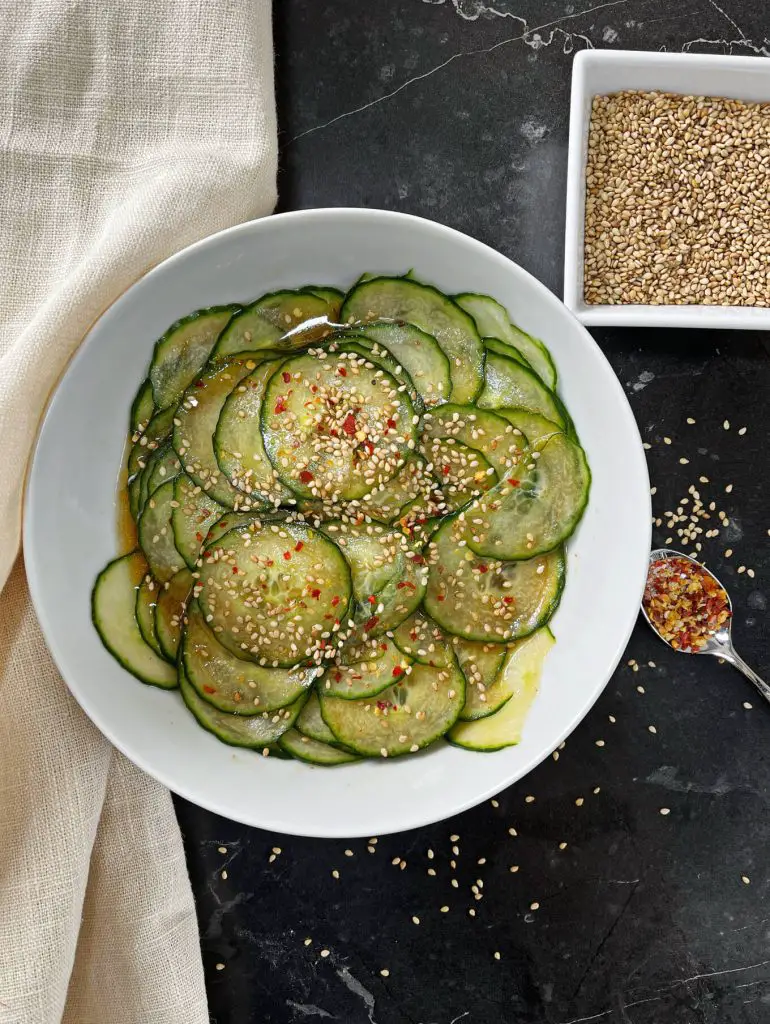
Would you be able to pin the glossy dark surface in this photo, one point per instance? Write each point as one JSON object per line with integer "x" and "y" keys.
{"x": 458, "y": 111}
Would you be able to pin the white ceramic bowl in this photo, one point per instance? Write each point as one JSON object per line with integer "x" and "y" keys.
{"x": 599, "y": 72}
{"x": 70, "y": 530}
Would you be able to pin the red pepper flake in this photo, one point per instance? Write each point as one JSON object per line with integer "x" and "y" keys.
{"x": 369, "y": 447}
{"x": 445, "y": 470}
{"x": 269, "y": 563}
{"x": 371, "y": 623}
{"x": 372, "y": 599}
{"x": 306, "y": 476}
{"x": 235, "y": 570}
{"x": 199, "y": 383}
{"x": 335, "y": 601}
{"x": 398, "y": 671}
{"x": 349, "y": 424}
{"x": 286, "y": 377}
{"x": 299, "y": 545}
{"x": 280, "y": 406}
{"x": 342, "y": 371}
{"x": 313, "y": 388}
{"x": 199, "y": 537}
{"x": 286, "y": 556}
{"x": 483, "y": 568}
{"x": 209, "y": 689}
{"x": 507, "y": 599}
{"x": 337, "y": 676}
{"x": 391, "y": 424}
{"x": 315, "y": 593}
{"x": 514, "y": 482}
{"x": 441, "y": 597}
{"x": 383, "y": 705}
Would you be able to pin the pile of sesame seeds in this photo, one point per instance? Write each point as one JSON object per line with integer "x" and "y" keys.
{"x": 677, "y": 201}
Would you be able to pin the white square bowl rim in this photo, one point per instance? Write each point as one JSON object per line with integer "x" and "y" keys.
{"x": 434, "y": 784}
{"x": 725, "y": 67}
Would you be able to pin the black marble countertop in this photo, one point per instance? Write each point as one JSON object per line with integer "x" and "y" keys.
{"x": 458, "y": 110}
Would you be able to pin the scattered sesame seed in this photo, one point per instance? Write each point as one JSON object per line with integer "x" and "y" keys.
{"x": 335, "y": 873}
{"x": 726, "y": 424}
{"x": 444, "y": 910}
{"x": 600, "y": 743}
{"x": 742, "y": 431}
{"x": 348, "y": 853}
{"x": 690, "y": 420}
{"x": 513, "y": 868}
{"x": 652, "y": 729}
{"x": 496, "y": 955}
{"x": 665, "y": 810}
{"x": 324, "y": 953}
{"x": 221, "y": 849}
{"x": 748, "y": 705}
{"x": 562, "y": 846}
{"x": 385, "y": 972}
{"x": 666, "y": 440}
{"x": 534, "y": 906}
{"x": 494, "y": 803}
{"x": 220, "y": 966}
{"x": 415, "y": 919}
{"x": 745, "y": 879}
{"x": 529, "y": 799}
{"x": 223, "y": 876}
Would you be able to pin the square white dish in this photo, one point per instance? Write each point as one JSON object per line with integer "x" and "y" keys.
{"x": 599, "y": 72}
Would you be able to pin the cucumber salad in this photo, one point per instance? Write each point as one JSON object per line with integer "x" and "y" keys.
{"x": 348, "y": 519}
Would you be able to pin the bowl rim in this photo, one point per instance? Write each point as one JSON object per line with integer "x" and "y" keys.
{"x": 637, "y": 572}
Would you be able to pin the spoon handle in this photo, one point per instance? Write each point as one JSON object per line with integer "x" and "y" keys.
{"x": 736, "y": 660}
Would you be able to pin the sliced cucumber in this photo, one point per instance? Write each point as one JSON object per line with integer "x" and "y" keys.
{"x": 155, "y": 433}
{"x": 163, "y": 466}
{"x": 113, "y": 603}
{"x": 535, "y": 428}
{"x": 493, "y": 320}
{"x": 521, "y": 672}
{"x": 310, "y": 722}
{"x": 334, "y": 429}
{"x": 263, "y": 324}
{"x": 378, "y": 356}
{"x": 192, "y": 516}
{"x": 481, "y": 664}
{"x": 401, "y": 719}
{"x": 173, "y": 598}
{"x": 410, "y": 482}
{"x": 539, "y": 513}
{"x": 230, "y": 684}
{"x": 134, "y": 494}
{"x": 194, "y": 426}
{"x": 238, "y": 444}
{"x": 502, "y": 349}
{"x": 422, "y": 639}
{"x": 399, "y": 298}
{"x": 255, "y": 731}
{"x": 366, "y": 678}
{"x": 146, "y": 599}
{"x": 304, "y": 748}
{"x": 486, "y": 599}
{"x": 420, "y": 355}
{"x": 274, "y": 592}
{"x": 461, "y": 472}
{"x": 476, "y": 428}
{"x": 508, "y": 383}
{"x": 142, "y": 408}
{"x": 333, "y": 298}
{"x": 388, "y": 581}
{"x": 183, "y": 350}
{"x": 229, "y": 521}
{"x": 156, "y": 537}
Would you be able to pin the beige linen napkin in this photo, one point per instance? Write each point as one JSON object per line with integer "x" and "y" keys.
{"x": 127, "y": 131}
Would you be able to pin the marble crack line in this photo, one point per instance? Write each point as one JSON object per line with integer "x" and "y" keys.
{"x": 455, "y": 56}
{"x": 669, "y": 988}
{"x": 605, "y": 940}
{"x": 727, "y": 17}
{"x": 355, "y": 986}
{"x": 727, "y": 44}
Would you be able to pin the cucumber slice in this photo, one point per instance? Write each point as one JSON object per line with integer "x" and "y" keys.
{"x": 411, "y": 482}
{"x": 493, "y": 320}
{"x": 522, "y": 671}
{"x": 257, "y": 732}
{"x": 401, "y": 719}
{"x": 230, "y": 684}
{"x": 502, "y": 349}
{"x": 333, "y": 298}
{"x": 310, "y": 722}
{"x": 164, "y": 466}
{"x": 461, "y": 472}
{"x": 388, "y": 580}
{"x": 399, "y": 298}
{"x": 146, "y": 599}
{"x": 134, "y": 495}
{"x": 423, "y": 640}
{"x": 486, "y": 599}
{"x": 155, "y": 433}
{"x": 113, "y": 603}
{"x": 263, "y": 324}
{"x": 183, "y": 350}
{"x": 481, "y": 664}
{"x": 173, "y": 598}
{"x": 377, "y": 356}
{"x": 334, "y": 429}
{"x": 274, "y": 592}
{"x": 156, "y": 537}
{"x": 475, "y": 428}
{"x": 539, "y": 513}
{"x": 366, "y": 678}
{"x": 508, "y": 383}
{"x": 535, "y": 428}
{"x": 194, "y": 426}
{"x": 420, "y": 355}
{"x": 238, "y": 444}
{"x": 142, "y": 408}
{"x": 192, "y": 516}
{"x": 304, "y": 748}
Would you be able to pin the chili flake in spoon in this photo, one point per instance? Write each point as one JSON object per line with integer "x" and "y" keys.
{"x": 684, "y": 602}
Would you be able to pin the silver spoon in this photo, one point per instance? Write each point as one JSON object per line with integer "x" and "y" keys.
{"x": 719, "y": 643}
